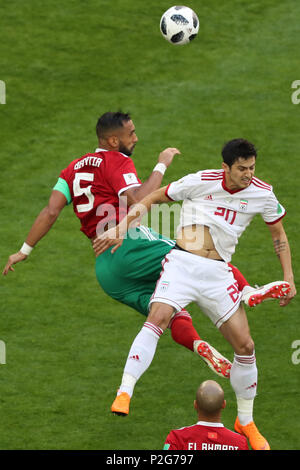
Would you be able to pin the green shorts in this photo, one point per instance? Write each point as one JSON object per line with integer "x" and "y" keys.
{"x": 130, "y": 274}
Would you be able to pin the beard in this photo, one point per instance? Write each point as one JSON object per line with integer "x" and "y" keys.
{"x": 127, "y": 151}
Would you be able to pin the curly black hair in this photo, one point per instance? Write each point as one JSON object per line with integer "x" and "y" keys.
{"x": 236, "y": 148}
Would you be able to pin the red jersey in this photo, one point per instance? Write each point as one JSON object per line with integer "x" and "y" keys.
{"x": 205, "y": 436}
{"x": 95, "y": 182}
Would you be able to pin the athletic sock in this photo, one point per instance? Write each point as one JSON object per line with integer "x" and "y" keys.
{"x": 140, "y": 356}
{"x": 183, "y": 331}
{"x": 238, "y": 276}
{"x": 245, "y": 410}
{"x": 243, "y": 379}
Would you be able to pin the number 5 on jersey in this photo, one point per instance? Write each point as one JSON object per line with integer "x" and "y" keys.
{"x": 79, "y": 191}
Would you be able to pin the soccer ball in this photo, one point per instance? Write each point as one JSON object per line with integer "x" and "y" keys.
{"x": 179, "y": 25}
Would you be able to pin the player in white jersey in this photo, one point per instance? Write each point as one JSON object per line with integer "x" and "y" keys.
{"x": 218, "y": 206}
{"x": 208, "y": 202}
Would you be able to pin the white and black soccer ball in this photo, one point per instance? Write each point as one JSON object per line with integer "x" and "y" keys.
{"x": 179, "y": 25}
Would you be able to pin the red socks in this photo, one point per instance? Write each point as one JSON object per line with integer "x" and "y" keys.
{"x": 182, "y": 330}
{"x": 242, "y": 282}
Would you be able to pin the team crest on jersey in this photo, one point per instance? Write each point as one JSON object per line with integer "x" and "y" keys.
{"x": 164, "y": 286}
{"x": 243, "y": 205}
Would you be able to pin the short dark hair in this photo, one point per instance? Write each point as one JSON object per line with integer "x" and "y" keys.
{"x": 110, "y": 121}
{"x": 236, "y": 148}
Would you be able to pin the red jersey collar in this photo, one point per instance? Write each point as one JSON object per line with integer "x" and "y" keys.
{"x": 231, "y": 191}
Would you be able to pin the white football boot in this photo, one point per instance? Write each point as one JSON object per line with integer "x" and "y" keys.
{"x": 274, "y": 290}
{"x": 215, "y": 361}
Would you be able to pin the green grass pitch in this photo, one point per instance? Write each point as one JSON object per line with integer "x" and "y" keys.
{"x": 64, "y": 64}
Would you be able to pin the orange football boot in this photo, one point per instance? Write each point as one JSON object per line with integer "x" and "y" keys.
{"x": 121, "y": 404}
{"x": 257, "y": 441}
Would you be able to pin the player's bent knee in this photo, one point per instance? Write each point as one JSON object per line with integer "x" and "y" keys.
{"x": 246, "y": 347}
{"x": 160, "y": 315}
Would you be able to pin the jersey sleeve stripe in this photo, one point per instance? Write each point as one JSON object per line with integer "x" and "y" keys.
{"x": 128, "y": 187}
{"x": 211, "y": 178}
{"x": 212, "y": 172}
{"x": 277, "y": 220}
{"x": 166, "y": 192}
{"x": 261, "y": 184}
{"x": 212, "y": 175}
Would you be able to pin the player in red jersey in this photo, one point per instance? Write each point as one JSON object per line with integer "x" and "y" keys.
{"x": 96, "y": 183}
{"x": 208, "y": 433}
{"x": 101, "y": 186}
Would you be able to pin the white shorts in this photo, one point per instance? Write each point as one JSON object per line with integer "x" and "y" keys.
{"x": 187, "y": 278}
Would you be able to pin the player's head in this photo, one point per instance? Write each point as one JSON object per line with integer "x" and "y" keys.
{"x": 116, "y": 131}
{"x": 237, "y": 148}
{"x": 209, "y": 400}
{"x": 239, "y": 158}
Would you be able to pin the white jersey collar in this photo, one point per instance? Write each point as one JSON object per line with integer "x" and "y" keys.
{"x": 105, "y": 150}
{"x": 208, "y": 423}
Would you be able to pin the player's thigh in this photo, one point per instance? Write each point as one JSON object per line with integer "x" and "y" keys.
{"x": 133, "y": 291}
{"x": 237, "y": 332}
{"x": 133, "y": 262}
{"x": 160, "y": 314}
{"x": 140, "y": 257}
{"x": 139, "y": 298}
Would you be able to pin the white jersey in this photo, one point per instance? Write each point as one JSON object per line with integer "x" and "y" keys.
{"x": 227, "y": 213}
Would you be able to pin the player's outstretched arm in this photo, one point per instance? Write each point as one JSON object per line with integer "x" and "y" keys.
{"x": 114, "y": 237}
{"x": 154, "y": 181}
{"x": 282, "y": 250}
{"x": 41, "y": 226}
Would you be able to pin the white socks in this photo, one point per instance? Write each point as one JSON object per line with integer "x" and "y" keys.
{"x": 243, "y": 379}
{"x": 243, "y": 374}
{"x": 140, "y": 356}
